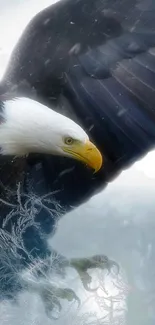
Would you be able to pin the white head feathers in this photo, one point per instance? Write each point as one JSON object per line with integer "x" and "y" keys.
{"x": 30, "y": 127}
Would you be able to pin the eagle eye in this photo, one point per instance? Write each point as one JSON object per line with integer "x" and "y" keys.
{"x": 69, "y": 140}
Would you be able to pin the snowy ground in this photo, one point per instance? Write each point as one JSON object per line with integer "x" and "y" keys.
{"x": 116, "y": 222}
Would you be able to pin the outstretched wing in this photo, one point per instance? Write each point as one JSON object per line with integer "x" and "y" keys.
{"x": 96, "y": 60}
{"x": 51, "y": 38}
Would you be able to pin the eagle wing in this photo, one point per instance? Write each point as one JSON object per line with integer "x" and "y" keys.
{"x": 95, "y": 60}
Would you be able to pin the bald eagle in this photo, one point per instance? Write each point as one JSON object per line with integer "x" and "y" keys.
{"x": 92, "y": 61}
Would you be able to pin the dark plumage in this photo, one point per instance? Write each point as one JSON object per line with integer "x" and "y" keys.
{"x": 95, "y": 61}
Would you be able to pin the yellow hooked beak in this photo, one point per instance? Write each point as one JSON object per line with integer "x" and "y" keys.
{"x": 86, "y": 152}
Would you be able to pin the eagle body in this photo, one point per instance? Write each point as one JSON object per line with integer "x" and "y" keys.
{"x": 93, "y": 61}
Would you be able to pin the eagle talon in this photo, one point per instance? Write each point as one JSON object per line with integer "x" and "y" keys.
{"x": 51, "y": 299}
{"x": 69, "y": 294}
{"x": 81, "y": 265}
{"x": 86, "y": 279}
